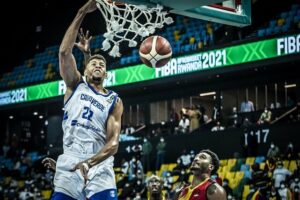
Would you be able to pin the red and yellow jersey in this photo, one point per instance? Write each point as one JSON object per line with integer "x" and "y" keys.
{"x": 196, "y": 193}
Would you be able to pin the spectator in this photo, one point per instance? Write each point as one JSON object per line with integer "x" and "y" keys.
{"x": 247, "y": 105}
{"x": 260, "y": 179}
{"x": 139, "y": 189}
{"x": 280, "y": 174}
{"x": 184, "y": 125}
{"x": 284, "y": 192}
{"x": 246, "y": 122}
{"x": 290, "y": 153}
{"x": 135, "y": 165}
{"x": 273, "y": 151}
{"x": 146, "y": 154}
{"x": 218, "y": 127}
{"x": 168, "y": 181}
{"x": 295, "y": 183}
{"x": 265, "y": 117}
{"x": 296, "y": 193}
{"x": 270, "y": 165}
{"x": 124, "y": 166}
{"x": 274, "y": 194}
{"x": 185, "y": 158}
{"x": 161, "y": 151}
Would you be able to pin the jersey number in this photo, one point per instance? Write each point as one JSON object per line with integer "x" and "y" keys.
{"x": 87, "y": 114}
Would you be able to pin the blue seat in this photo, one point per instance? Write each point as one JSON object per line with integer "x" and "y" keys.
{"x": 259, "y": 159}
{"x": 269, "y": 31}
{"x": 285, "y": 28}
{"x": 245, "y": 167}
{"x": 277, "y": 29}
{"x": 272, "y": 23}
{"x": 284, "y": 15}
{"x": 248, "y": 174}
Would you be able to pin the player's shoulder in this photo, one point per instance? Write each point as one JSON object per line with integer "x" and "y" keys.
{"x": 216, "y": 191}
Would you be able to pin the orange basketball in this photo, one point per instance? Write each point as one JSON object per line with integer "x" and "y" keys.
{"x": 155, "y": 51}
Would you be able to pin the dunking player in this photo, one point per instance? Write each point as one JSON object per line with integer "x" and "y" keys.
{"x": 203, "y": 187}
{"x": 91, "y": 124}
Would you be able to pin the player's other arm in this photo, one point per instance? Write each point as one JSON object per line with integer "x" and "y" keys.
{"x": 112, "y": 138}
{"x": 216, "y": 192}
{"x": 68, "y": 67}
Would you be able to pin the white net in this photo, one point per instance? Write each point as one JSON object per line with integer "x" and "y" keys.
{"x": 127, "y": 22}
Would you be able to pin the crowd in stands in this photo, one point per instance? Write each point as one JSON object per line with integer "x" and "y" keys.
{"x": 22, "y": 175}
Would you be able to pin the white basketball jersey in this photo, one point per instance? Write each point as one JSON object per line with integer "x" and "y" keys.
{"x": 85, "y": 118}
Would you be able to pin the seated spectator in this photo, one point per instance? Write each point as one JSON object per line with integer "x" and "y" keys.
{"x": 184, "y": 125}
{"x": 296, "y": 193}
{"x": 260, "y": 178}
{"x": 284, "y": 192}
{"x": 265, "y": 117}
{"x": 274, "y": 194}
{"x": 280, "y": 175}
{"x": 294, "y": 183}
{"x": 218, "y": 127}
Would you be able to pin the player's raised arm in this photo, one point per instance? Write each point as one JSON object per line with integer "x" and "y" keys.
{"x": 68, "y": 67}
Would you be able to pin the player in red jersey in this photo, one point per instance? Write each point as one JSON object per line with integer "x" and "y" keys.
{"x": 202, "y": 186}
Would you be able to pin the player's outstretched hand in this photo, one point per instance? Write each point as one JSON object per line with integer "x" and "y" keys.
{"x": 84, "y": 40}
{"x": 49, "y": 163}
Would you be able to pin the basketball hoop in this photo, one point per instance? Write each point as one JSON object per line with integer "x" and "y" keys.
{"x": 125, "y": 22}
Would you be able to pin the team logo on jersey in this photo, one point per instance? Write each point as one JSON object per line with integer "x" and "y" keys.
{"x": 112, "y": 193}
{"x": 111, "y": 99}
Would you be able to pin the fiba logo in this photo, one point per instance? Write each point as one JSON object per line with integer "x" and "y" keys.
{"x": 112, "y": 193}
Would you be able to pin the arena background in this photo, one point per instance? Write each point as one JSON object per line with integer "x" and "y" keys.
{"x": 33, "y": 29}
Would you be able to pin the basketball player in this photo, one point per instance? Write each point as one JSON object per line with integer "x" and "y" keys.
{"x": 155, "y": 185}
{"x": 203, "y": 187}
{"x": 91, "y": 125}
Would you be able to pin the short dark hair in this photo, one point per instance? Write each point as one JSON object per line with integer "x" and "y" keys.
{"x": 96, "y": 56}
{"x": 214, "y": 160}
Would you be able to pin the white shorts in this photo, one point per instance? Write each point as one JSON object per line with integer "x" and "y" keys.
{"x": 100, "y": 177}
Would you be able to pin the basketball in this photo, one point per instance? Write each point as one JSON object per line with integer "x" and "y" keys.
{"x": 155, "y": 51}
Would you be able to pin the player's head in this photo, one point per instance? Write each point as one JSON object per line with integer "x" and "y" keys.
{"x": 205, "y": 161}
{"x": 95, "y": 69}
{"x": 154, "y": 185}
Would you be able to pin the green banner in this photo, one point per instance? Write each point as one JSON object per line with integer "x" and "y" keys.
{"x": 234, "y": 55}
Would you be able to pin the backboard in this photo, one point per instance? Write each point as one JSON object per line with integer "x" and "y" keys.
{"x": 230, "y": 12}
